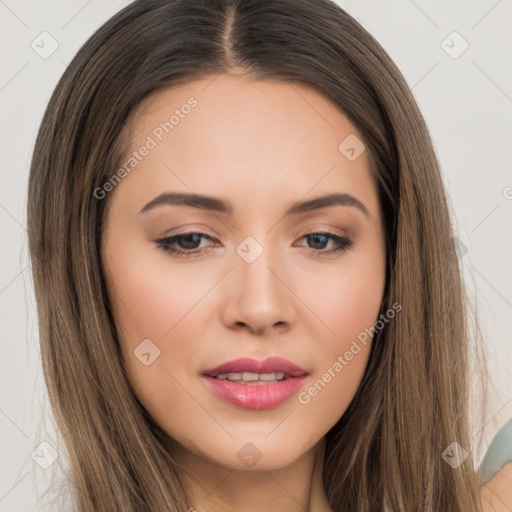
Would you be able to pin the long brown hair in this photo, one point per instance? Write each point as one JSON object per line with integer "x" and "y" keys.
{"x": 385, "y": 452}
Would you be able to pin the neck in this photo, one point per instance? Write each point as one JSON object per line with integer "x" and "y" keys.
{"x": 294, "y": 488}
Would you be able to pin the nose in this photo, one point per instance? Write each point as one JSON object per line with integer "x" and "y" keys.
{"x": 258, "y": 296}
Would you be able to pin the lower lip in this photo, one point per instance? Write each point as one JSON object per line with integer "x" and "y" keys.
{"x": 256, "y": 397}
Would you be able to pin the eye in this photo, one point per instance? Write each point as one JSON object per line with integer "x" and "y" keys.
{"x": 321, "y": 239}
{"x": 188, "y": 244}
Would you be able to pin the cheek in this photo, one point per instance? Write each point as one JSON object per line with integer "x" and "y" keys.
{"x": 347, "y": 301}
{"x": 155, "y": 310}
{"x": 152, "y": 301}
{"x": 151, "y": 297}
{"x": 352, "y": 306}
{"x": 346, "y": 298}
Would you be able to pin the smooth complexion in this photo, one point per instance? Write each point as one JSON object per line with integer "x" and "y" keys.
{"x": 261, "y": 147}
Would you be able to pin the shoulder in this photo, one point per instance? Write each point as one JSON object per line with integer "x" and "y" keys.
{"x": 497, "y": 493}
{"x": 496, "y": 471}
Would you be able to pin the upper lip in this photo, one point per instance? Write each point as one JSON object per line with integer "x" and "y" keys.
{"x": 269, "y": 365}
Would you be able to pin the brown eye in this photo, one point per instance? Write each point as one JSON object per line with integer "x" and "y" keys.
{"x": 183, "y": 244}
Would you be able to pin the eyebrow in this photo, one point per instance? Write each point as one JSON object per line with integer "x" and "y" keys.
{"x": 218, "y": 205}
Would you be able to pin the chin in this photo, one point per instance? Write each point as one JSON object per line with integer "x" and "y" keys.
{"x": 258, "y": 452}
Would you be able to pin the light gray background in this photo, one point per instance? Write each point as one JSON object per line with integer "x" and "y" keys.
{"x": 466, "y": 101}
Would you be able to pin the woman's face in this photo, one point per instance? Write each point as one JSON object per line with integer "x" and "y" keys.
{"x": 268, "y": 273}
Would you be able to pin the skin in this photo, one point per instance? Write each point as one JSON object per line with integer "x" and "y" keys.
{"x": 497, "y": 494}
{"x": 262, "y": 146}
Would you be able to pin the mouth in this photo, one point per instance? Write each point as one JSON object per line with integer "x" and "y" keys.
{"x": 252, "y": 384}
{"x": 253, "y": 379}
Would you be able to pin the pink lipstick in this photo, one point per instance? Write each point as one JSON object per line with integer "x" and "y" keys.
{"x": 252, "y": 384}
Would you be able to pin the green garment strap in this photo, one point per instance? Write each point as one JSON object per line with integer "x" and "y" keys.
{"x": 498, "y": 453}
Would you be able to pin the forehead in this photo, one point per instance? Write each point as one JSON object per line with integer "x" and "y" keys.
{"x": 232, "y": 134}
{"x": 232, "y": 110}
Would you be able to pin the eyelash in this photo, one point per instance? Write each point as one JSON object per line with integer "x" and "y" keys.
{"x": 165, "y": 244}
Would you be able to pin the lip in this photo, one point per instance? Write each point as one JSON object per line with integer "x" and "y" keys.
{"x": 269, "y": 365}
{"x": 256, "y": 397}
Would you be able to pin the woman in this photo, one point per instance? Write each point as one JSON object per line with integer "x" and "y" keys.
{"x": 198, "y": 356}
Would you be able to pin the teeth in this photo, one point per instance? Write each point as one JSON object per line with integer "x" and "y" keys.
{"x": 272, "y": 376}
{"x": 251, "y": 378}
